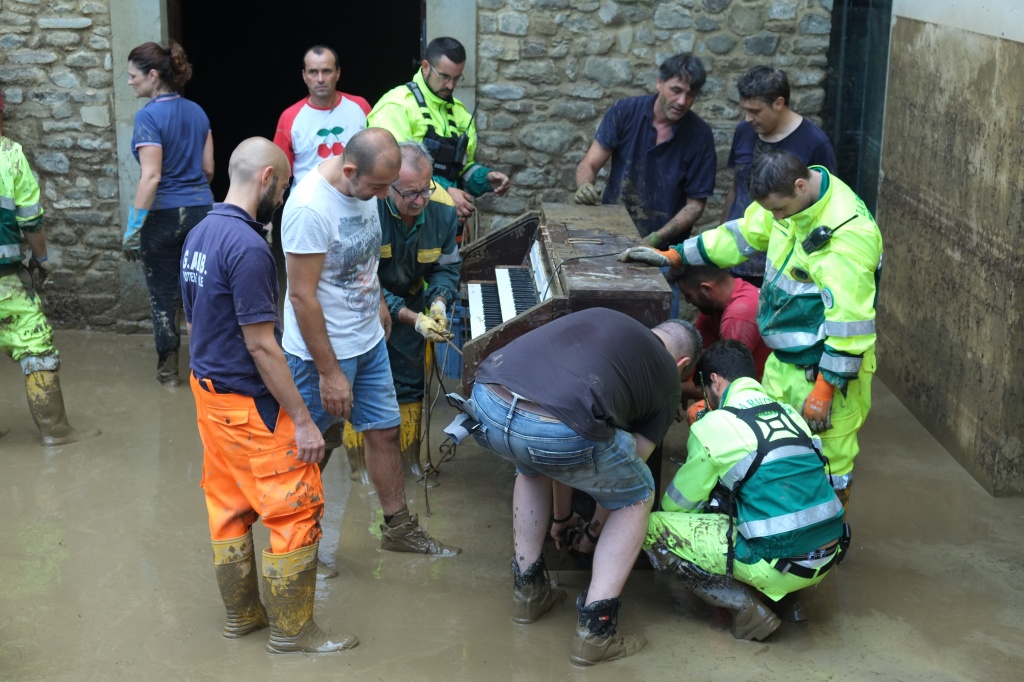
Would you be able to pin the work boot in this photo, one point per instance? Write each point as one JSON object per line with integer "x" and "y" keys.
{"x": 235, "y": 564}
{"x": 404, "y": 534}
{"x": 290, "y": 586}
{"x": 751, "y": 619}
{"x": 789, "y": 609}
{"x": 596, "y": 639}
{"x": 46, "y": 403}
{"x": 534, "y": 594}
{"x": 356, "y": 450}
{"x": 409, "y": 437}
{"x": 167, "y": 369}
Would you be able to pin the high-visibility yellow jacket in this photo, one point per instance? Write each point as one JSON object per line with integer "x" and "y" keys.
{"x": 398, "y": 112}
{"x": 786, "y": 505}
{"x": 815, "y": 308}
{"x": 19, "y": 200}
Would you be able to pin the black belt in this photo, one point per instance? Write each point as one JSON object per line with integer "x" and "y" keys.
{"x": 790, "y": 566}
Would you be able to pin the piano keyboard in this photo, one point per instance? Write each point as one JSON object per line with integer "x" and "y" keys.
{"x": 491, "y": 303}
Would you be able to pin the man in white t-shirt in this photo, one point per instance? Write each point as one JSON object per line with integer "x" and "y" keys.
{"x": 335, "y": 321}
{"x": 319, "y": 126}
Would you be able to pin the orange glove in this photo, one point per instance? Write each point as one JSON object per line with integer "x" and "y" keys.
{"x": 696, "y": 411}
{"x": 818, "y": 406}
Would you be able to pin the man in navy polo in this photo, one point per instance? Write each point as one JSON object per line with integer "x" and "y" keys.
{"x": 663, "y": 156}
{"x": 260, "y": 444}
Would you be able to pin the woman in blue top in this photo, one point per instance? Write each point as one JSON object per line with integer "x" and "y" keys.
{"x": 173, "y": 143}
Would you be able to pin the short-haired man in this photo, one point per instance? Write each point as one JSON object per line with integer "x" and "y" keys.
{"x": 817, "y": 305}
{"x": 768, "y": 123}
{"x": 25, "y": 333}
{"x": 260, "y": 445}
{"x": 419, "y": 274}
{"x": 582, "y": 401}
{"x": 663, "y": 156}
{"x": 787, "y": 519}
{"x": 336, "y": 319}
{"x": 728, "y": 309}
{"x": 319, "y": 126}
{"x": 426, "y": 110}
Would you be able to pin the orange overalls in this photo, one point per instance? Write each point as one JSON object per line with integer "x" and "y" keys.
{"x": 250, "y": 472}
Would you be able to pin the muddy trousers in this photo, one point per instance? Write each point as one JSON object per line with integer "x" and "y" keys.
{"x": 788, "y": 384}
{"x": 701, "y": 540}
{"x": 250, "y": 472}
{"x": 163, "y": 234}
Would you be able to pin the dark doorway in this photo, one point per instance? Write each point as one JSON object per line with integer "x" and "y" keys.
{"x": 855, "y": 91}
{"x": 247, "y": 58}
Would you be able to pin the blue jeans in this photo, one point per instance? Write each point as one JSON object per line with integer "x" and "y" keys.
{"x": 374, "y": 405}
{"x": 163, "y": 234}
{"x": 608, "y": 471}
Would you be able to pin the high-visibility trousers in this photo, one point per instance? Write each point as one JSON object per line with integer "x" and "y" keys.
{"x": 788, "y": 384}
{"x": 250, "y": 472}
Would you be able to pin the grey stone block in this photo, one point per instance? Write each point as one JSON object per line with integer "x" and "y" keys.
{"x": 815, "y": 24}
{"x": 64, "y": 78}
{"x": 551, "y": 138}
{"x": 764, "y": 44}
{"x": 64, "y": 22}
{"x": 716, "y": 6}
{"x": 782, "y": 11}
{"x": 502, "y": 92}
{"x": 51, "y": 162}
{"x": 83, "y": 59}
{"x": 61, "y": 38}
{"x": 705, "y": 24}
{"x": 32, "y": 57}
{"x": 720, "y": 44}
{"x": 513, "y": 23}
{"x": 608, "y": 71}
{"x": 670, "y": 15}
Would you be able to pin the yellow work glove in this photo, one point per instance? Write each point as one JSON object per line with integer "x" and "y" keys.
{"x": 439, "y": 312}
{"x": 587, "y": 194}
{"x": 432, "y": 330}
{"x": 818, "y": 406}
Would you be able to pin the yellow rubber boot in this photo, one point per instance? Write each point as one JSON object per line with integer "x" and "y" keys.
{"x": 356, "y": 454}
{"x": 235, "y": 564}
{"x": 46, "y": 403}
{"x": 290, "y": 581}
{"x": 409, "y": 436}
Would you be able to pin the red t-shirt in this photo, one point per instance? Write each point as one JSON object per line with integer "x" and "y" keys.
{"x": 738, "y": 321}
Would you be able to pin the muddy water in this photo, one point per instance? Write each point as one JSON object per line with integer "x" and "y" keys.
{"x": 105, "y": 571}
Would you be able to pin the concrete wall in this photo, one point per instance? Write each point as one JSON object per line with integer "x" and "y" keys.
{"x": 950, "y": 208}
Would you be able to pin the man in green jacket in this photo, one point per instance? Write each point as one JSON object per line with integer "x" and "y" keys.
{"x": 817, "y": 305}
{"x": 753, "y": 459}
{"x": 425, "y": 110}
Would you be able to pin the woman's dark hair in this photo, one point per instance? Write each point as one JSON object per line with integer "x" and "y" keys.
{"x": 171, "y": 64}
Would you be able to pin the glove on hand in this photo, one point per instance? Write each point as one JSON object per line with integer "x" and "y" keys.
{"x": 432, "y": 330}
{"x": 643, "y": 254}
{"x": 40, "y": 270}
{"x": 587, "y": 194}
{"x": 818, "y": 406}
{"x": 131, "y": 244}
{"x": 439, "y": 313}
{"x": 696, "y": 411}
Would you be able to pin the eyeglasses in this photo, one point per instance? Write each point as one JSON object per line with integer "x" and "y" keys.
{"x": 422, "y": 194}
{"x": 445, "y": 78}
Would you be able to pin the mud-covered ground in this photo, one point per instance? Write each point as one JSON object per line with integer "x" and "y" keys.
{"x": 105, "y": 571}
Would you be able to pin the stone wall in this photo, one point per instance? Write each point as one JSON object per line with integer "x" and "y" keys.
{"x": 547, "y": 70}
{"x": 56, "y": 78}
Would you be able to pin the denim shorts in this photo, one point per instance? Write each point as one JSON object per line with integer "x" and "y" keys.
{"x": 608, "y": 471}
{"x": 374, "y": 404}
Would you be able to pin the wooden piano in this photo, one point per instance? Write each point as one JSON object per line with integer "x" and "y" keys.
{"x": 531, "y": 272}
